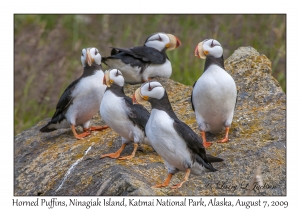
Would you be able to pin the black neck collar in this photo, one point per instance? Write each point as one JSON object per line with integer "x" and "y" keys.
{"x": 90, "y": 70}
{"x": 212, "y": 60}
{"x": 164, "y": 105}
{"x": 117, "y": 90}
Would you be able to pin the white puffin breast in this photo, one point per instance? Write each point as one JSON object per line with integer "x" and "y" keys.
{"x": 165, "y": 140}
{"x": 88, "y": 95}
{"x": 214, "y": 98}
{"x": 113, "y": 111}
{"x": 158, "y": 70}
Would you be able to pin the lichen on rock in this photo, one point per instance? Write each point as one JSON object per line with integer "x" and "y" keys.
{"x": 257, "y": 138}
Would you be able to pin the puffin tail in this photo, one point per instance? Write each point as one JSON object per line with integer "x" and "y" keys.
{"x": 213, "y": 159}
{"x": 205, "y": 163}
{"x": 103, "y": 60}
{"x": 55, "y": 123}
{"x": 112, "y": 53}
{"x": 48, "y": 128}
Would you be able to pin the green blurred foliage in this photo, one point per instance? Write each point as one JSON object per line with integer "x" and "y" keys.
{"x": 48, "y": 48}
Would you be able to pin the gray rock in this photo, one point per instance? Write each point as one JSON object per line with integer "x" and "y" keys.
{"x": 58, "y": 164}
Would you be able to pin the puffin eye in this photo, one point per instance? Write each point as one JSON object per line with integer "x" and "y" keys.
{"x": 214, "y": 44}
{"x": 118, "y": 73}
{"x": 83, "y": 52}
{"x": 159, "y": 38}
{"x": 150, "y": 88}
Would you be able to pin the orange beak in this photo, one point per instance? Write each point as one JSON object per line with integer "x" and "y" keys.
{"x": 137, "y": 98}
{"x": 178, "y": 42}
{"x": 174, "y": 42}
{"x": 106, "y": 79}
{"x": 197, "y": 52}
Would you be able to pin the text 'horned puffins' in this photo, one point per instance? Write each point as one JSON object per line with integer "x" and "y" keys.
{"x": 172, "y": 139}
{"x": 214, "y": 94}
{"x": 141, "y": 63}
{"x": 82, "y": 98}
{"x": 121, "y": 115}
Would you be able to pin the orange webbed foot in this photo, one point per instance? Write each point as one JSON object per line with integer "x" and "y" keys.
{"x": 82, "y": 135}
{"x": 126, "y": 157}
{"x": 116, "y": 154}
{"x": 160, "y": 185}
{"x": 165, "y": 184}
{"x": 111, "y": 155}
{"x": 97, "y": 128}
{"x": 135, "y": 146}
{"x": 223, "y": 140}
{"x": 177, "y": 185}
{"x": 187, "y": 174}
{"x": 79, "y": 136}
{"x": 207, "y": 144}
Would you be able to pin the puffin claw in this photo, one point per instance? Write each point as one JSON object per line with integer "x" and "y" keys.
{"x": 223, "y": 140}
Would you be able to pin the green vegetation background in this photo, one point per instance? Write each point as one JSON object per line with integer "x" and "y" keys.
{"x": 47, "y": 49}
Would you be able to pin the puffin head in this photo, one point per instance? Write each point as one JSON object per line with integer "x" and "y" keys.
{"x": 147, "y": 91}
{"x": 209, "y": 47}
{"x": 90, "y": 56}
{"x": 162, "y": 41}
{"x": 113, "y": 76}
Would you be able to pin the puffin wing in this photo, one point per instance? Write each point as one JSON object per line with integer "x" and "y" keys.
{"x": 193, "y": 142}
{"x": 236, "y": 99}
{"x": 66, "y": 99}
{"x": 137, "y": 113}
{"x": 143, "y": 53}
{"x": 192, "y": 96}
{"x": 64, "y": 102}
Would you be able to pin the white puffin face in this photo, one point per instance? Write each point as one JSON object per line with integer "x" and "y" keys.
{"x": 162, "y": 41}
{"x": 113, "y": 76}
{"x": 209, "y": 47}
{"x": 89, "y": 56}
{"x": 148, "y": 90}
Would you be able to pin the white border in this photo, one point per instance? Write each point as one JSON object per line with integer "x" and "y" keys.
{"x": 152, "y": 7}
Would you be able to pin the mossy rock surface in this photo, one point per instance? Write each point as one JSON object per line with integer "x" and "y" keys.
{"x": 58, "y": 164}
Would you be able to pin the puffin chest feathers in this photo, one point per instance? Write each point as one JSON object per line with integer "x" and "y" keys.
{"x": 214, "y": 98}
{"x": 113, "y": 110}
{"x": 158, "y": 70}
{"x": 87, "y": 96}
{"x": 166, "y": 141}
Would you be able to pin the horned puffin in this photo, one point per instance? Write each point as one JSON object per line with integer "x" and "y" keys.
{"x": 172, "y": 139}
{"x": 121, "y": 115}
{"x": 81, "y": 99}
{"x": 141, "y": 63}
{"x": 214, "y": 94}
